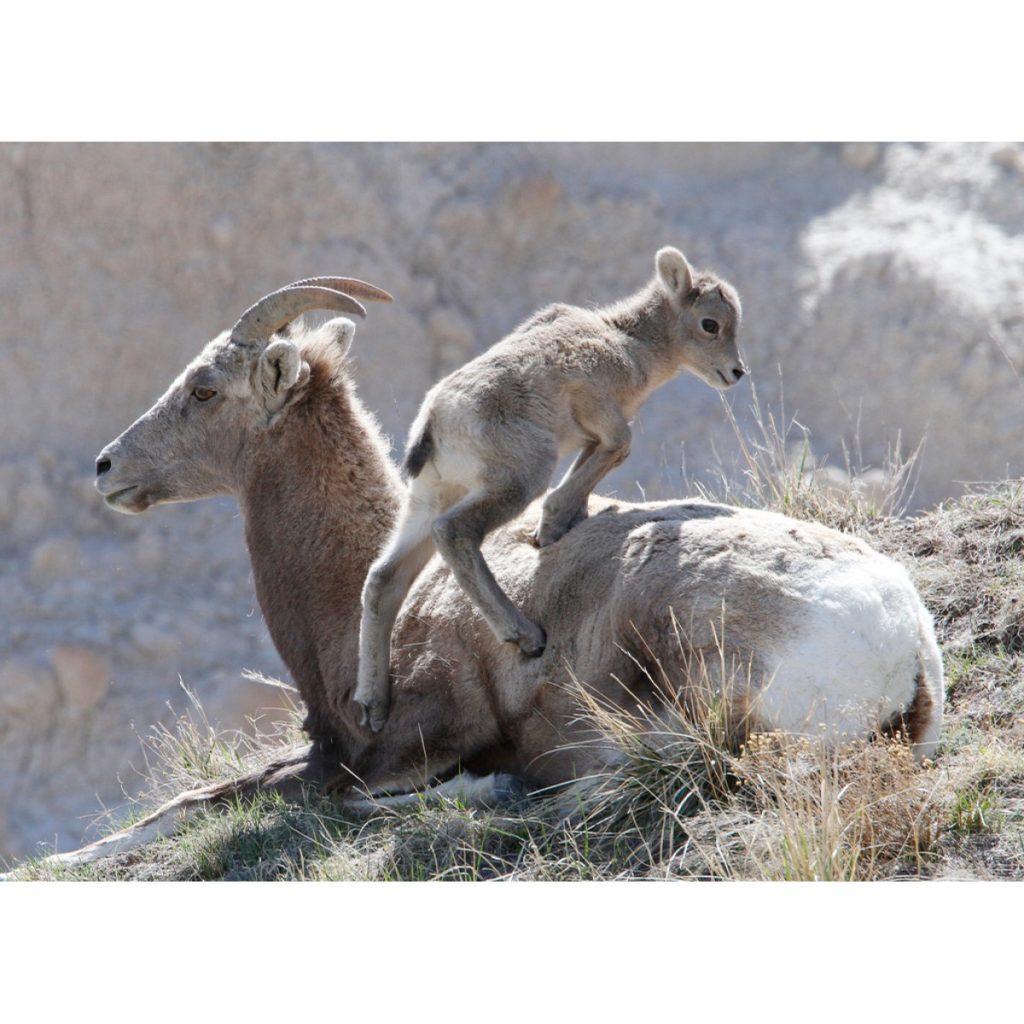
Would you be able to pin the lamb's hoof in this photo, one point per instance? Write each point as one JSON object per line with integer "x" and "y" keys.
{"x": 545, "y": 535}
{"x": 374, "y": 714}
{"x": 551, "y": 532}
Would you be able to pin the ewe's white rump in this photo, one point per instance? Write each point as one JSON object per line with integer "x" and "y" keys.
{"x": 856, "y": 658}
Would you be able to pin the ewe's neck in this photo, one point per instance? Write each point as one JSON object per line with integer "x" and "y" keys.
{"x": 319, "y": 499}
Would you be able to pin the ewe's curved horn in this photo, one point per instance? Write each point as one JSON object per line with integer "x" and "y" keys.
{"x": 349, "y": 285}
{"x": 273, "y": 311}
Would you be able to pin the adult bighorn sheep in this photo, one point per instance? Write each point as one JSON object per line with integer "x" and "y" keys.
{"x": 486, "y": 440}
{"x": 824, "y": 633}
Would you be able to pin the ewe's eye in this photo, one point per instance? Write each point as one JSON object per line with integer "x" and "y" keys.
{"x": 203, "y": 394}
{"x": 710, "y": 326}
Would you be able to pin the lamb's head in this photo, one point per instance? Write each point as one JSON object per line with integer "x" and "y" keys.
{"x": 703, "y": 319}
{"x": 192, "y": 443}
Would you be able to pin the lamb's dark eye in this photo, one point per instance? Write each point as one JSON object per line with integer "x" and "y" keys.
{"x": 711, "y": 326}
{"x": 203, "y": 394}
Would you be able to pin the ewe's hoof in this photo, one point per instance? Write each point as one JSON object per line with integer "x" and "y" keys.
{"x": 545, "y": 535}
{"x": 509, "y": 789}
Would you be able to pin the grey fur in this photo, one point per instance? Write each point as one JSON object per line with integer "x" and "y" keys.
{"x": 488, "y": 437}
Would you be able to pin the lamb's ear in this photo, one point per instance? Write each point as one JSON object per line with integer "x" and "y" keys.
{"x": 341, "y": 331}
{"x": 674, "y": 273}
{"x": 281, "y": 368}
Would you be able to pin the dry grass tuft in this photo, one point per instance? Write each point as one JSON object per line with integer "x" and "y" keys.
{"x": 777, "y": 470}
{"x": 686, "y": 800}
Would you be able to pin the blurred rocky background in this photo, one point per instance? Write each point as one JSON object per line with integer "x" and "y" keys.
{"x": 883, "y": 292}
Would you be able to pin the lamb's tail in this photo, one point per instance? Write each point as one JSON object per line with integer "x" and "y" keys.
{"x": 417, "y": 454}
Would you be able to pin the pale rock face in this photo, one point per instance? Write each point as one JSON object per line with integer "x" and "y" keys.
{"x": 883, "y": 280}
{"x": 55, "y": 558}
{"x": 150, "y": 552}
{"x": 1010, "y": 157}
{"x": 153, "y": 642}
{"x": 28, "y": 694}
{"x": 452, "y": 335}
{"x": 83, "y": 675}
{"x": 35, "y": 509}
{"x": 861, "y": 156}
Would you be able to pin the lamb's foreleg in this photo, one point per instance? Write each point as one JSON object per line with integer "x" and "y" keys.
{"x": 566, "y": 505}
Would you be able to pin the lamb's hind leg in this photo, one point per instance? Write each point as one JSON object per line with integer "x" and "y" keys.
{"x": 388, "y": 582}
{"x": 458, "y": 535}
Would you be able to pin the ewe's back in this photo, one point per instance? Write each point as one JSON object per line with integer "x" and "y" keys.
{"x": 812, "y": 629}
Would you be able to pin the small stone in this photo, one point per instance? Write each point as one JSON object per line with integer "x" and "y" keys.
{"x": 861, "y": 156}
{"x": 872, "y": 487}
{"x": 55, "y": 558}
{"x": 153, "y": 641}
{"x": 831, "y": 481}
{"x": 82, "y": 674}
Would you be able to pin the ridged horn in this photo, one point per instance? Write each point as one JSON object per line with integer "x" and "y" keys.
{"x": 349, "y": 285}
{"x": 273, "y": 311}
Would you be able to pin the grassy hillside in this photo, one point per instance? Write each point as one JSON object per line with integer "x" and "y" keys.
{"x": 681, "y": 804}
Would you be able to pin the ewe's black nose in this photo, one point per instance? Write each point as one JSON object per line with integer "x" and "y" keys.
{"x": 102, "y": 465}
{"x": 738, "y": 372}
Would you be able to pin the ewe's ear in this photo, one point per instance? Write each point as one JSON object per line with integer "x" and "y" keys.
{"x": 674, "y": 272}
{"x": 281, "y": 368}
{"x": 341, "y": 331}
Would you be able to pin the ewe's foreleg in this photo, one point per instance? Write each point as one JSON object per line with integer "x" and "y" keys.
{"x": 387, "y": 584}
{"x": 566, "y": 505}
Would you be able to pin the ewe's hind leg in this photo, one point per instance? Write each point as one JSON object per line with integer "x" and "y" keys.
{"x": 388, "y": 582}
{"x": 566, "y": 505}
{"x": 458, "y": 535}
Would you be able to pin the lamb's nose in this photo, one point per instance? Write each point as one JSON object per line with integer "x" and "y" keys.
{"x": 102, "y": 465}
{"x": 738, "y": 371}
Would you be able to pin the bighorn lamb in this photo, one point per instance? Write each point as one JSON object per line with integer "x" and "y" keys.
{"x": 823, "y": 632}
{"x": 486, "y": 440}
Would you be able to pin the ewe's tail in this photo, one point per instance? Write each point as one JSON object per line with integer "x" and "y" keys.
{"x": 921, "y": 720}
